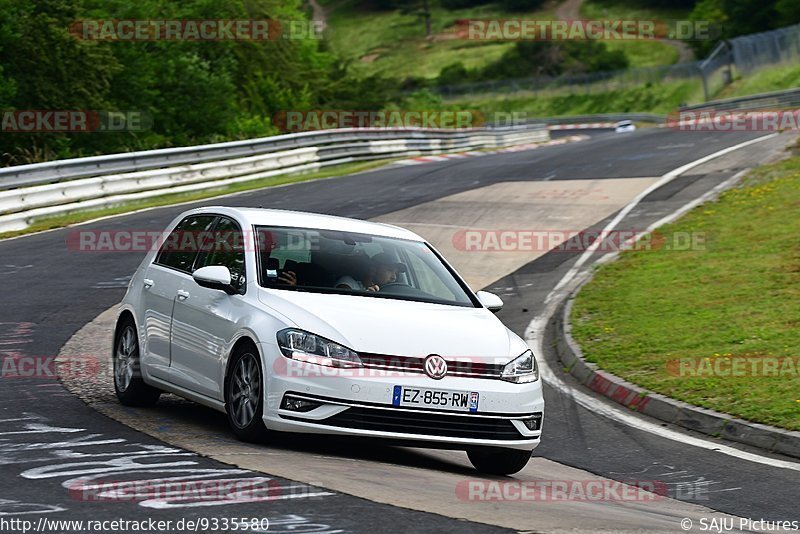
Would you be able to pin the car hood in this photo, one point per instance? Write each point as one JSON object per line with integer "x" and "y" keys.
{"x": 397, "y": 327}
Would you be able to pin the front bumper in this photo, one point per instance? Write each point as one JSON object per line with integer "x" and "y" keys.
{"x": 356, "y": 403}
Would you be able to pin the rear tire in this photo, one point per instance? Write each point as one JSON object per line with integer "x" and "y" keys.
{"x": 128, "y": 383}
{"x": 499, "y": 461}
{"x": 244, "y": 395}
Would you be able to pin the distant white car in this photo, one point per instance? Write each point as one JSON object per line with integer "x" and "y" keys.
{"x": 298, "y": 322}
{"x": 624, "y": 126}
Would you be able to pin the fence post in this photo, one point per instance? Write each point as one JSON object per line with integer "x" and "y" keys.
{"x": 705, "y": 82}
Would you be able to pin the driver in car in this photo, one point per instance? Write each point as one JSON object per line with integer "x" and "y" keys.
{"x": 383, "y": 270}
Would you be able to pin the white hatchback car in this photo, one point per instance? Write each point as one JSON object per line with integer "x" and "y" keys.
{"x": 624, "y": 126}
{"x": 300, "y": 322}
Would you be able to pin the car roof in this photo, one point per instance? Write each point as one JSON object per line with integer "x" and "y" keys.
{"x": 301, "y": 219}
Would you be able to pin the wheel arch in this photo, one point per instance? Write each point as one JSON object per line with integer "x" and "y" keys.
{"x": 245, "y": 340}
{"x": 123, "y": 315}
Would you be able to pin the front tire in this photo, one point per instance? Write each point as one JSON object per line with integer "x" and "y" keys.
{"x": 128, "y": 383}
{"x": 499, "y": 461}
{"x": 244, "y": 395}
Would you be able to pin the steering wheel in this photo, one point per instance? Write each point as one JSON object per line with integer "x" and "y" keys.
{"x": 394, "y": 284}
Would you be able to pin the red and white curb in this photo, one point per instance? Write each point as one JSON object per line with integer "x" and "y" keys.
{"x": 516, "y": 148}
{"x": 582, "y": 126}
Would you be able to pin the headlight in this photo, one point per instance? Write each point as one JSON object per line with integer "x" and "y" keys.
{"x": 307, "y": 347}
{"x": 521, "y": 370}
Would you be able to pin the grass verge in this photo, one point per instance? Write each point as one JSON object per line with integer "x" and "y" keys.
{"x": 737, "y": 297}
{"x": 649, "y": 98}
{"x": 60, "y": 221}
{"x": 661, "y": 98}
{"x": 763, "y": 81}
{"x": 642, "y": 53}
{"x": 393, "y": 43}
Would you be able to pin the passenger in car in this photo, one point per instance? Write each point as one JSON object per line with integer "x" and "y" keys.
{"x": 348, "y": 282}
{"x": 382, "y": 270}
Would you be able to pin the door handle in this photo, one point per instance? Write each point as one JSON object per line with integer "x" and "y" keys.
{"x": 183, "y": 295}
{"x": 147, "y": 283}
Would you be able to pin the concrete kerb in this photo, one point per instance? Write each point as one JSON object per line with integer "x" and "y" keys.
{"x": 709, "y": 422}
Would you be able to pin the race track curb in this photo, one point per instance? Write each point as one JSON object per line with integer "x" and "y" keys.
{"x": 636, "y": 398}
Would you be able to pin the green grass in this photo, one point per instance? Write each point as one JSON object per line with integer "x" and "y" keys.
{"x": 394, "y": 44}
{"x": 60, "y": 221}
{"x": 763, "y": 81}
{"x": 661, "y": 98}
{"x": 645, "y": 53}
{"x": 640, "y": 53}
{"x": 629, "y": 10}
{"x": 737, "y": 297}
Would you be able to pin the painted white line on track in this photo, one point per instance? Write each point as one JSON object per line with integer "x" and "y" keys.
{"x": 665, "y": 179}
{"x": 535, "y": 330}
{"x": 622, "y": 416}
{"x": 679, "y": 212}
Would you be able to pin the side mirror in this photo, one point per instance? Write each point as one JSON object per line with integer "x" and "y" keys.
{"x": 214, "y": 277}
{"x": 491, "y": 301}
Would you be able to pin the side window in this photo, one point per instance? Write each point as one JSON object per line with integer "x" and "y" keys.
{"x": 184, "y": 242}
{"x": 227, "y": 249}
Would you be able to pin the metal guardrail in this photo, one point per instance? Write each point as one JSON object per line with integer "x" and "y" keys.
{"x": 787, "y": 99}
{"x": 54, "y": 171}
{"x": 603, "y": 117}
{"x": 58, "y": 187}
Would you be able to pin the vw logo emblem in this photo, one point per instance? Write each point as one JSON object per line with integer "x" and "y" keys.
{"x": 435, "y": 367}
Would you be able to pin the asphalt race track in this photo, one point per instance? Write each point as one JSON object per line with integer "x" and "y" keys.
{"x": 50, "y": 441}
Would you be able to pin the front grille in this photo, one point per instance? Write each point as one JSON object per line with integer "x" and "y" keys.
{"x": 408, "y": 364}
{"x": 452, "y": 426}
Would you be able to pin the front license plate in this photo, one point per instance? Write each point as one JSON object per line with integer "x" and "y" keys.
{"x": 464, "y": 401}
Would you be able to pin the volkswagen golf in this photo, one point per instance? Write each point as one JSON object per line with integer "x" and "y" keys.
{"x": 299, "y": 322}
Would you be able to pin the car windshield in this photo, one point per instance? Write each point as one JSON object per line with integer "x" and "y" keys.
{"x": 325, "y": 261}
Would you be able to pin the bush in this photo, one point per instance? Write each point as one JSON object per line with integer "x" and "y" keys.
{"x": 453, "y": 74}
{"x": 548, "y": 58}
